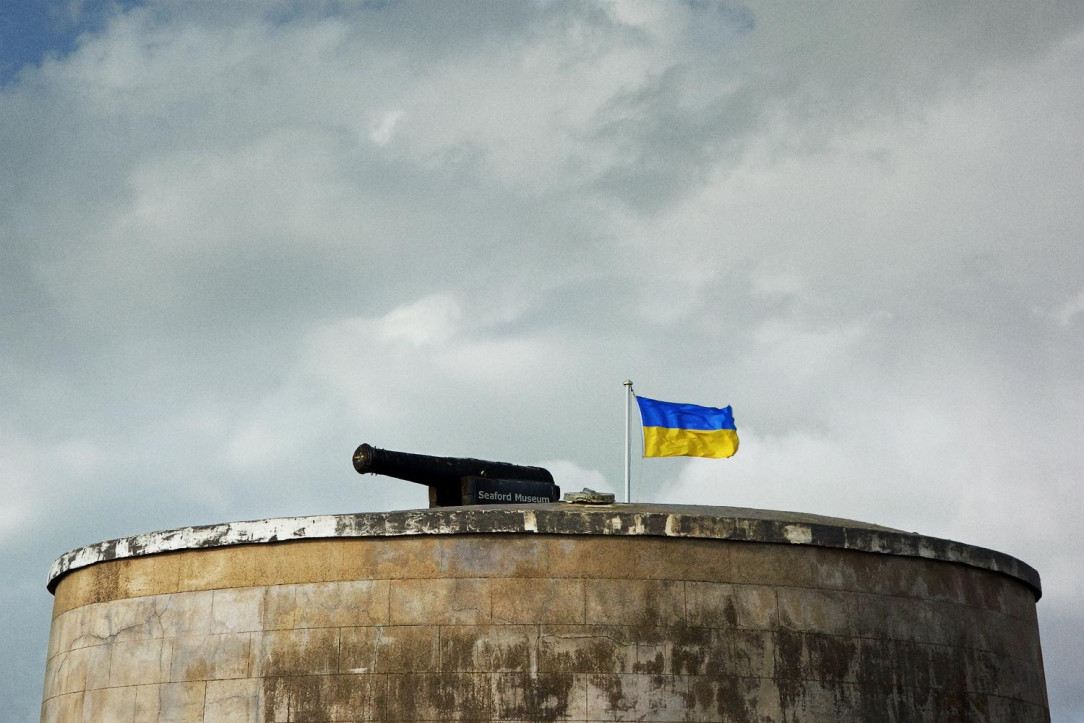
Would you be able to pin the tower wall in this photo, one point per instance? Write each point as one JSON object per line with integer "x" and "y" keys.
{"x": 546, "y": 613}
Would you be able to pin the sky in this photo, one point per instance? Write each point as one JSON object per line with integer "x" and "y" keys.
{"x": 239, "y": 239}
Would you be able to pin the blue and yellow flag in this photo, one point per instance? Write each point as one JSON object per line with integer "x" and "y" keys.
{"x": 687, "y": 430}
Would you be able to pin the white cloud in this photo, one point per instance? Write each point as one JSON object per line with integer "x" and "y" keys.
{"x": 1067, "y": 313}
{"x": 383, "y": 128}
{"x": 428, "y": 321}
{"x": 35, "y": 473}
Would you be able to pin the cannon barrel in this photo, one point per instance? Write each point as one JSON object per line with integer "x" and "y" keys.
{"x": 440, "y": 471}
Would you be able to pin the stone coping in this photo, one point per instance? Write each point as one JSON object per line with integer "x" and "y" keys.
{"x": 655, "y": 520}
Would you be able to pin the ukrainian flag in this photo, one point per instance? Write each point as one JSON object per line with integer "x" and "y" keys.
{"x": 687, "y": 430}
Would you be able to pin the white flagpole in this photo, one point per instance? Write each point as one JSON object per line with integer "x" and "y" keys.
{"x": 628, "y": 482}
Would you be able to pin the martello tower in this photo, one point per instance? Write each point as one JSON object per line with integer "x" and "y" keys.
{"x": 544, "y": 612}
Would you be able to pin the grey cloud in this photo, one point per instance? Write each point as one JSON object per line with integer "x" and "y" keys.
{"x": 239, "y": 240}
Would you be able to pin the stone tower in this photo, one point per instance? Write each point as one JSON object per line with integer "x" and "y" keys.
{"x": 548, "y": 612}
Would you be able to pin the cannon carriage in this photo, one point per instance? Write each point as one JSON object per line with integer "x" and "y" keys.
{"x": 454, "y": 481}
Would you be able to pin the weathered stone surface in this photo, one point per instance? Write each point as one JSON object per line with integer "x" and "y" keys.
{"x": 683, "y": 521}
{"x": 630, "y": 613}
{"x": 525, "y": 600}
{"x": 589, "y": 496}
{"x": 171, "y": 701}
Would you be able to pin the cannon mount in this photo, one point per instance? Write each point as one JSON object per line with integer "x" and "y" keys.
{"x": 455, "y": 481}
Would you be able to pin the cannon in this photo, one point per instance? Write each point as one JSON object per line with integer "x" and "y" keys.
{"x": 460, "y": 480}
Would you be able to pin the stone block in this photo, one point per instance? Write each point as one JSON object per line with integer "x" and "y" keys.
{"x": 732, "y": 698}
{"x": 90, "y": 667}
{"x": 539, "y": 600}
{"x": 856, "y": 571}
{"x": 138, "y": 662}
{"x": 515, "y": 556}
{"x": 818, "y": 611}
{"x": 87, "y": 668}
{"x": 939, "y": 582}
{"x": 801, "y": 657}
{"x": 324, "y": 698}
{"x": 440, "y": 696}
{"x": 772, "y": 565}
{"x": 653, "y": 658}
{"x": 350, "y": 603}
{"x": 488, "y": 648}
{"x": 894, "y": 576}
{"x": 155, "y": 575}
{"x": 391, "y": 649}
{"x": 345, "y": 695}
{"x": 877, "y": 573}
{"x": 68, "y": 672}
{"x": 696, "y": 651}
{"x": 279, "y": 607}
{"x": 947, "y": 665}
{"x": 1004, "y": 635}
{"x": 496, "y": 696}
{"x": 589, "y": 558}
{"x": 56, "y": 673}
{"x": 81, "y": 620}
{"x": 1017, "y": 601}
{"x": 441, "y": 601}
{"x": 185, "y": 613}
{"x": 540, "y": 696}
{"x": 63, "y": 709}
{"x": 110, "y": 582}
{"x": 236, "y": 610}
{"x": 636, "y": 602}
{"x": 937, "y": 704}
{"x": 895, "y": 618}
{"x": 68, "y": 596}
{"x": 173, "y": 702}
{"x": 75, "y": 592}
{"x": 728, "y": 605}
{"x": 949, "y": 624}
{"x": 123, "y": 620}
{"x": 297, "y": 562}
{"x": 699, "y": 560}
{"x": 836, "y": 571}
{"x": 752, "y": 654}
{"x": 642, "y": 558}
{"x": 213, "y": 657}
{"x": 806, "y": 702}
{"x": 1000, "y": 709}
{"x": 358, "y": 650}
{"x": 878, "y": 661}
{"x": 64, "y": 631}
{"x": 586, "y": 649}
{"x": 625, "y": 697}
{"x": 232, "y": 701}
{"x": 915, "y": 663}
{"x": 216, "y": 568}
{"x": 312, "y": 651}
{"x": 109, "y": 704}
{"x": 409, "y": 557}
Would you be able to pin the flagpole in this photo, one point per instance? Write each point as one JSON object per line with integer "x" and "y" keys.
{"x": 628, "y": 482}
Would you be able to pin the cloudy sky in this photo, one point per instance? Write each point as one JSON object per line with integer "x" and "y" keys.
{"x": 238, "y": 239}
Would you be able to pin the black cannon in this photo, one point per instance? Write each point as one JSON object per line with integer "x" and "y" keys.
{"x": 461, "y": 480}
